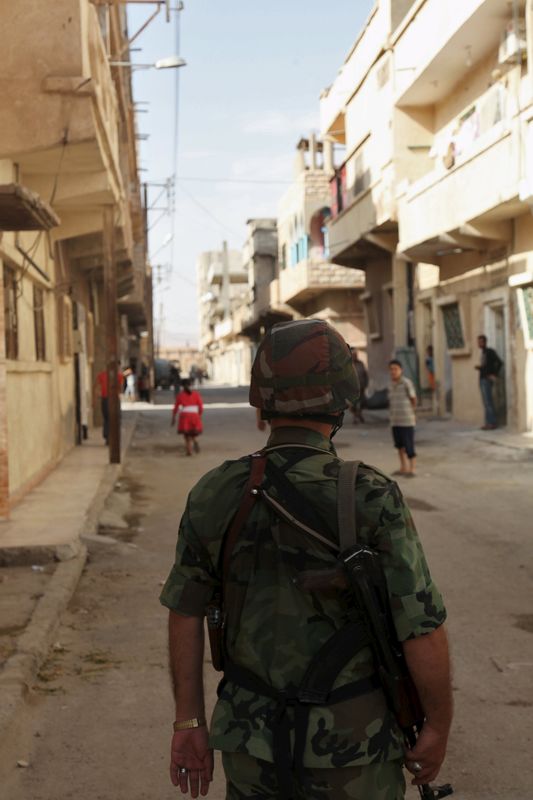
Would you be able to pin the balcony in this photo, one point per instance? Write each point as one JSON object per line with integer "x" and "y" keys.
{"x": 308, "y": 279}
{"x": 432, "y": 51}
{"x": 446, "y": 212}
{"x": 363, "y": 223}
{"x": 23, "y": 210}
{"x": 364, "y": 53}
{"x": 73, "y": 151}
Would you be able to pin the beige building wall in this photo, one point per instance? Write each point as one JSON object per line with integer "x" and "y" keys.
{"x": 434, "y": 107}
{"x": 68, "y": 136}
{"x": 468, "y": 212}
{"x": 223, "y": 289}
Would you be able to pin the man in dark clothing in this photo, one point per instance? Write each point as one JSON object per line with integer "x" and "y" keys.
{"x": 489, "y": 369}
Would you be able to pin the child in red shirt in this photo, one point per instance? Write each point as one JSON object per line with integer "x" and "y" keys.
{"x": 190, "y": 406}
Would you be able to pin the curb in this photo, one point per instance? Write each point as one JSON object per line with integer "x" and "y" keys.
{"x": 89, "y": 530}
{"x": 34, "y": 643}
{"x": 526, "y": 449}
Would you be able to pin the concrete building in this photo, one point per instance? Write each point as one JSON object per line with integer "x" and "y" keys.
{"x": 433, "y": 200}
{"x": 358, "y": 113}
{"x": 282, "y": 273}
{"x": 469, "y": 84}
{"x": 307, "y": 283}
{"x": 223, "y": 303}
{"x": 68, "y": 138}
{"x": 260, "y": 259}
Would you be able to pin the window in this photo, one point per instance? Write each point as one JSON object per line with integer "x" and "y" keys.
{"x": 64, "y": 311}
{"x": 38, "y": 322}
{"x": 453, "y": 326}
{"x": 10, "y": 312}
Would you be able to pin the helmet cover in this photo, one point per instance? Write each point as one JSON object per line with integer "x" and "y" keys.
{"x": 303, "y": 367}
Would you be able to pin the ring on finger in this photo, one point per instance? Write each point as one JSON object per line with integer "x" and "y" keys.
{"x": 183, "y": 770}
{"x": 416, "y": 766}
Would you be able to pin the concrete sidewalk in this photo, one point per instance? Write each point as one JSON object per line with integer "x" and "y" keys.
{"x": 433, "y": 428}
{"x": 42, "y": 556}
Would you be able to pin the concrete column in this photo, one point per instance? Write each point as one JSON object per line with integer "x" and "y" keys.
{"x": 313, "y": 150}
{"x": 111, "y": 320}
{"x": 329, "y": 164}
{"x": 299, "y": 162}
{"x": 4, "y": 464}
{"x": 400, "y": 301}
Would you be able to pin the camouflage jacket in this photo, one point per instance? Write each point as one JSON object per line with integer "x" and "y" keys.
{"x": 274, "y": 628}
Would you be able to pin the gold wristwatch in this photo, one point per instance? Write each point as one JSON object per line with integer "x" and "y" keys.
{"x": 188, "y": 724}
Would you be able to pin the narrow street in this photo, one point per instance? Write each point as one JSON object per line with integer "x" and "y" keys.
{"x": 101, "y": 710}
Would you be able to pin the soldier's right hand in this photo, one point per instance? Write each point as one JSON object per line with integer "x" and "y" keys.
{"x": 429, "y": 752}
{"x": 191, "y": 761}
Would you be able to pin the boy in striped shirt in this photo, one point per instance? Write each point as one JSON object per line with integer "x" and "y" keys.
{"x": 402, "y": 404}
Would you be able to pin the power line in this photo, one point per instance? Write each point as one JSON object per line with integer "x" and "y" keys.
{"x": 208, "y": 212}
{"x": 234, "y": 180}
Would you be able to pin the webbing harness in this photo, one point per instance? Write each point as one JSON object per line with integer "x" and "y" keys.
{"x": 316, "y": 688}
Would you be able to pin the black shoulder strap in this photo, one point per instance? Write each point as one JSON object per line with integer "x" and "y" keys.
{"x": 346, "y": 505}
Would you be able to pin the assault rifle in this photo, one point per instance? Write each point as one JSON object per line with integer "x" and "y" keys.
{"x": 367, "y": 582}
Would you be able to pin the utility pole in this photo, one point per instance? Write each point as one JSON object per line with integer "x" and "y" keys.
{"x": 225, "y": 288}
{"x": 110, "y": 301}
{"x": 4, "y": 466}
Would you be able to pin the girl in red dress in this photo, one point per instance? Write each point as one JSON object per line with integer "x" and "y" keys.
{"x": 190, "y": 406}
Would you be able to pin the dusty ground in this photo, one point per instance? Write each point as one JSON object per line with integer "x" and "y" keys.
{"x": 99, "y": 716}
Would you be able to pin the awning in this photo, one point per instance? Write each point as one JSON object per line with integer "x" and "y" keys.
{"x": 23, "y": 210}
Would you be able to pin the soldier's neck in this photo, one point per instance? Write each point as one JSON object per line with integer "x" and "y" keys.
{"x": 288, "y": 422}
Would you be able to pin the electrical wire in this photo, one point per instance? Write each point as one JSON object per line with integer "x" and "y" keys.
{"x": 209, "y": 213}
{"x": 235, "y": 180}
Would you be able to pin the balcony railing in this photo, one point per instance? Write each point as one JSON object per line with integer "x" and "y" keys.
{"x": 446, "y": 200}
{"x": 308, "y": 278}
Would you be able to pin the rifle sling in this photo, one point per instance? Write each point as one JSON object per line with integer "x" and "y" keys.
{"x": 346, "y": 512}
{"x": 282, "y": 512}
{"x": 257, "y": 472}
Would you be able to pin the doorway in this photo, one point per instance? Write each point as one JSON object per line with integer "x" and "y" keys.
{"x": 496, "y": 335}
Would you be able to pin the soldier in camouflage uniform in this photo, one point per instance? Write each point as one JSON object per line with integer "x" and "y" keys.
{"x": 351, "y": 748}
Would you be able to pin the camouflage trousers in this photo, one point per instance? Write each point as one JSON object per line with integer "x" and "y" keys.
{"x": 248, "y": 777}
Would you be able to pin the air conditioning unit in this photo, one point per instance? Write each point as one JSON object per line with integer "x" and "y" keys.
{"x": 513, "y": 45}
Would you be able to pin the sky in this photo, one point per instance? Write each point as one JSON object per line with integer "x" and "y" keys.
{"x": 250, "y": 90}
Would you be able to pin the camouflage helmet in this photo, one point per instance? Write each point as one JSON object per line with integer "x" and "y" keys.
{"x": 303, "y": 367}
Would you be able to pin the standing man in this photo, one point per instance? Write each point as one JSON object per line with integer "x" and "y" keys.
{"x": 362, "y": 376}
{"x": 489, "y": 369}
{"x": 102, "y": 385}
{"x": 402, "y": 404}
{"x": 278, "y": 742}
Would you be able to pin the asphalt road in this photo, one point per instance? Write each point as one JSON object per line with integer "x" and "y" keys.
{"x": 99, "y": 716}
